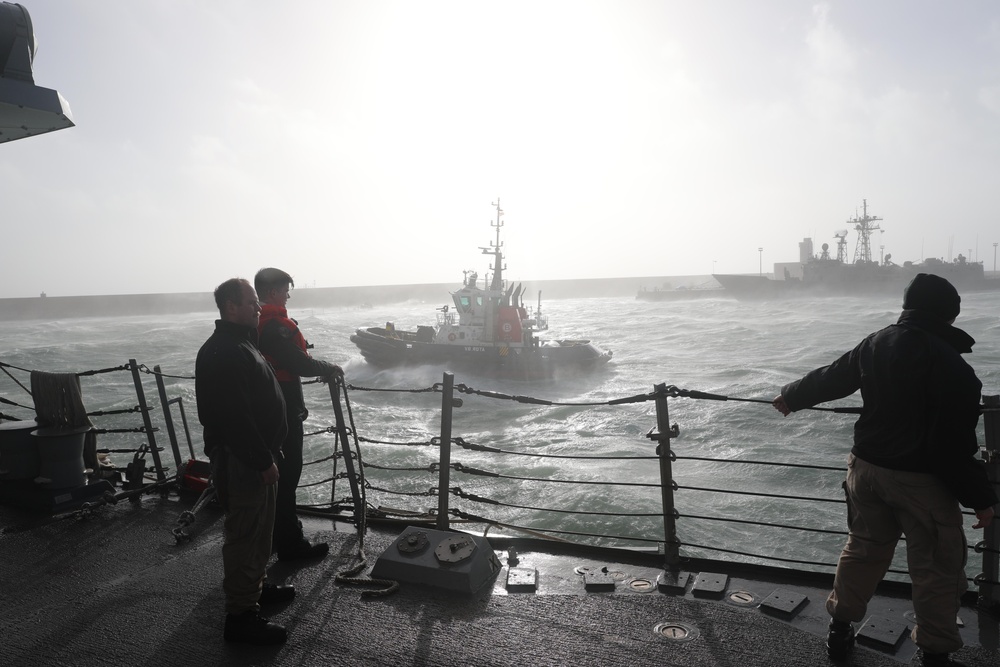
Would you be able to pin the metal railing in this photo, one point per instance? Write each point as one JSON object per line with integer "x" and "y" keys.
{"x": 396, "y": 481}
{"x": 446, "y": 512}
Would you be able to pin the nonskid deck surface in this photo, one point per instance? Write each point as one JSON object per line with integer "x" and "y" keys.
{"x": 115, "y": 589}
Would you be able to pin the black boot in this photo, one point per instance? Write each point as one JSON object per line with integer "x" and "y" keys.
{"x": 252, "y": 628}
{"x": 938, "y": 660}
{"x": 274, "y": 593}
{"x": 302, "y": 550}
{"x": 840, "y": 639}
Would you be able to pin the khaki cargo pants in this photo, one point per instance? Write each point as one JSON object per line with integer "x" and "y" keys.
{"x": 246, "y": 548}
{"x": 882, "y": 505}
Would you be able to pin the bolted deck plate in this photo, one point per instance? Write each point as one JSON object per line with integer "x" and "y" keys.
{"x": 782, "y": 602}
{"x": 674, "y": 583}
{"x": 598, "y": 580}
{"x": 710, "y": 585}
{"x": 883, "y": 632}
{"x": 522, "y": 579}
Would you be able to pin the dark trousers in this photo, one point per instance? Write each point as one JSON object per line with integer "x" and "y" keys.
{"x": 287, "y": 530}
{"x": 249, "y": 508}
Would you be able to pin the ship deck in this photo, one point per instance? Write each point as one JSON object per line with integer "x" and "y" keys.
{"x": 114, "y": 588}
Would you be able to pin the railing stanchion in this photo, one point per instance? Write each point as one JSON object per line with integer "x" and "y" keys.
{"x": 167, "y": 417}
{"x": 665, "y": 432}
{"x": 989, "y": 588}
{"x": 447, "y": 402}
{"x": 353, "y": 478}
{"x": 141, "y": 397}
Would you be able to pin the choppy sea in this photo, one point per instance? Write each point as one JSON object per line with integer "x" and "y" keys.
{"x": 717, "y": 345}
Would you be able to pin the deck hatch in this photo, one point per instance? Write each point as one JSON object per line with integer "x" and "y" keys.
{"x": 883, "y": 632}
{"x": 598, "y": 580}
{"x": 522, "y": 579}
{"x": 673, "y": 582}
{"x": 783, "y": 602}
{"x": 710, "y": 584}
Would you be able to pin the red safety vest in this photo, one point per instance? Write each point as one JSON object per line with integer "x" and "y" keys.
{"x": 270, "y": 312}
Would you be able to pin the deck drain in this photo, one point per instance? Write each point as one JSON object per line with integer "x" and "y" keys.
{"x": 616, "y": 575}
{"x": 640, "y": 585}
{"x": 676, "y": 631}
{"x": 742, "y": 599}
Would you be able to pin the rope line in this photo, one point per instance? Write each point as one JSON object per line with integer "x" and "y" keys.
{"x": 349, "y": 576}
{"x": 486, "y": 473}
{"x": 328, "y": 429}
{"x": 7, "y": 401}
{"x": 322, "y": 460}
{"x": 432, "y": 492}
{"x": 322, "y": 481}
{"x": 113, "y": 369}
{"x": 461, "y": 442}
{"x": 767, "y": 463}
{"x": 432, "y": 468}
{"x": 137, "y": 429}
{"x": 457, "y": 491}
{"x": 149, "y": 371}
{"x": 17, "y": 368}
{"x": 354, "y": 387}
{"x": 123, "y": 411}
{"x": 144, "y": 448}
{"x": 981, "y": 547}
{"x": 426, "y": 443}
{"x": 18, "y": 382}
{"x": 465, "y": 389}
{"x": 762, "y": 494}
{"x": 763, "y": 523}
{"x": 675, "y": 392}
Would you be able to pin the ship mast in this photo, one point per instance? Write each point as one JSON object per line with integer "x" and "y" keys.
{"x": 494, "y": 249}
{"x": 865, "y": 226}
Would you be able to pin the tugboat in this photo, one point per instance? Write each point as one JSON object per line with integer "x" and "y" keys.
{"x": 487, "y": 331}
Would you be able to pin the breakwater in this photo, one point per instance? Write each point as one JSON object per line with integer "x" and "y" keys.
{"x": 116, "y": 305}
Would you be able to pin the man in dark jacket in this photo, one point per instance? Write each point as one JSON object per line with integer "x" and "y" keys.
{"x": 242, "y": 410}
{"x": 284, "y": 346}
{"x": 912, "y": 463}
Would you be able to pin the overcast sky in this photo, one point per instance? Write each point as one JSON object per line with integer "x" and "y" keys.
{"x": 362, "y": 142}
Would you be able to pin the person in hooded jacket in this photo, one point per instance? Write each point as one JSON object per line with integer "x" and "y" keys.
{"x": 286, "y": 349}
{"x": 913, "y": 462}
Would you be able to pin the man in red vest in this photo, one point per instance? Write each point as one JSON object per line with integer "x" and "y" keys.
{"x": 283, "y": 345}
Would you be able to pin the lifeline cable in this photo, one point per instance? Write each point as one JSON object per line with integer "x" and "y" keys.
{"x": 675, "y": 392}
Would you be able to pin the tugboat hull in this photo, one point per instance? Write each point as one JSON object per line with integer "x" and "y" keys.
{"x": 543, "y": 360}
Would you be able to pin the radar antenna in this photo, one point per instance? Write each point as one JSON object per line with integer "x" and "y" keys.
{"x": 865, "y": 225}
{"x": 494, "y": 249}
{"x": 841, "y": 237}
